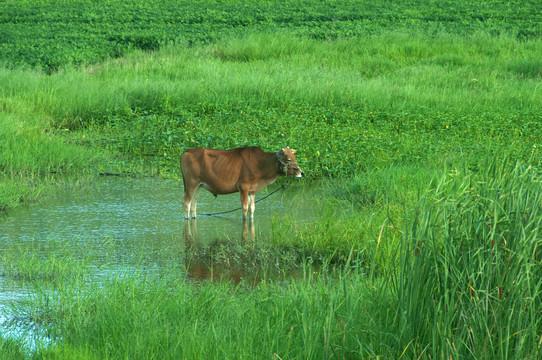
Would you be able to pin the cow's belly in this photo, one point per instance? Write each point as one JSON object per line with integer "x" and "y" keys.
{"x": 220, "y": 189}
{"x": 233, "y": 187}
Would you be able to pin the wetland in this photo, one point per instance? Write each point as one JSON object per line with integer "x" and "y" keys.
{"x": 118, "y": 219}
{"x": 416, "y": 233}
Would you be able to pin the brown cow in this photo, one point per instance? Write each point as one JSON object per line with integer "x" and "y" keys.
{"x": 246, "y": 170}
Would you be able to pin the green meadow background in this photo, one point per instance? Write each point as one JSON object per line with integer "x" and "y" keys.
{"x": 421, "y": 120}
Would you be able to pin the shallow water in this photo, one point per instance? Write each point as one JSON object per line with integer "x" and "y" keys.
{"x": 119, "y": 219}
{"x": 128, "y": 216}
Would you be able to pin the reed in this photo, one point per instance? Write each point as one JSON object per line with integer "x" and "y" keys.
{"x": 470, "y": 283}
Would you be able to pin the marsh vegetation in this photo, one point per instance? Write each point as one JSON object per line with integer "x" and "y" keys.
{"x": 421, "y": 125}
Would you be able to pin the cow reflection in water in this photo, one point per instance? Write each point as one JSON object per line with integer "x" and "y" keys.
{"x": 192, "y": 239}
{"x": 202, "y": 268}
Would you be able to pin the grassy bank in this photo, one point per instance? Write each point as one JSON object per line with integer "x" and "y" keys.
{"x": 34, "y": 160}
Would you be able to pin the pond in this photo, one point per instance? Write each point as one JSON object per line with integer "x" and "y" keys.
{"x": 131, "y": 215}
{"x": 125, "y": 222}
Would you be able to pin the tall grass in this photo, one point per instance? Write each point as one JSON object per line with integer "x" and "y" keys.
{"x": 470, "y": 280}
{"x": 393, "y": 72}
{"x": 31, "y": 159}
{"x": 347, "y": 105}
{"x": 357, "y": 220}
{"x": 397, "y": 71}
{"x": 160, "y": 316}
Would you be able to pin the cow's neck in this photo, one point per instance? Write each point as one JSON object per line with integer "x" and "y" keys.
{"x": 269, "y": 176}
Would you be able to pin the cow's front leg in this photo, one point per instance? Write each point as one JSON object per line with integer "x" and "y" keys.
{"x": 244, "y": 201}
{"x": 248, "y": 231}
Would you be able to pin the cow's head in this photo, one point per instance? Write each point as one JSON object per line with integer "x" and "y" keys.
{"x": 288, "y": 164}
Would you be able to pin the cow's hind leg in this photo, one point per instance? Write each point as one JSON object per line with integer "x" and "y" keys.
{"x": 251, "y": 205}
{"x": 188, "y": 200}
{"x": 194, "y": 204}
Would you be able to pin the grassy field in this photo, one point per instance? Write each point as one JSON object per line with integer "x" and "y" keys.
{"x": 49, "y": 33}
{"x": 421, "y": 121}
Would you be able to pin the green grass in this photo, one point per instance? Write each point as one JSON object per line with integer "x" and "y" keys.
{"x": 423, "y": 120}
{"x": 358, "y": 219}
{"x": 11, "y": 349}
{"x": 26, "y": 264}
{"x": 135, "y": 314}
{"x": 346, "y": 106}
{"x": 394, "y": 73}
{"x": 317, "y": 99}
{"x": 49, "y": 34}
{"x": 216, "y": 321}
{"x": 33, "y": 159}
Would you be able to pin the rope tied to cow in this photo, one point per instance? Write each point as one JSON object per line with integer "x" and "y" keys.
{"x": 282, "y": 187}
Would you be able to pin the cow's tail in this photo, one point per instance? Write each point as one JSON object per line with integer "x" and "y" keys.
{"x": 182, "y": 170}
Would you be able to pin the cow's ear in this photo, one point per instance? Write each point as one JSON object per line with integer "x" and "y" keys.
{"x": 287, "y": 147}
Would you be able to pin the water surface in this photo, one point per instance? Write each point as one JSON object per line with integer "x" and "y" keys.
{"x": 127, "y": 216}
